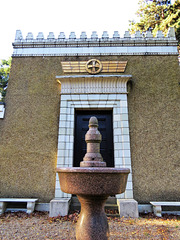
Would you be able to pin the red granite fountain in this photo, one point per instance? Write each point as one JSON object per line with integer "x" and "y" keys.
{"x": 93, "y": 183}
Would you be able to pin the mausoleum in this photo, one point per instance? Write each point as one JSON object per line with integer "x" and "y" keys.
{"x": 130, "y": 83}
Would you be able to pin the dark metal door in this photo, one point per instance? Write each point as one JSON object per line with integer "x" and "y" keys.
{"x": 105, "y": 128}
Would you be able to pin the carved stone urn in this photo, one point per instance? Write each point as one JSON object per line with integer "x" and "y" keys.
{"x": 93, "y": 183}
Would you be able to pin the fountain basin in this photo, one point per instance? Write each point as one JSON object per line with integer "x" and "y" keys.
{"x": 93, "y": 180}
{"x": 93, "y": 185}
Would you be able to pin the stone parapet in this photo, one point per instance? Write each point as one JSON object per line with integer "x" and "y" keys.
{"x": 137, "y": 44}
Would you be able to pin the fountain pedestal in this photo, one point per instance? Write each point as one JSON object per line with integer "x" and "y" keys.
{"x": 92, "y": 223}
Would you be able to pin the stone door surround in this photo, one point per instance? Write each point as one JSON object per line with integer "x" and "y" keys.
{"x": 98, "y": 92}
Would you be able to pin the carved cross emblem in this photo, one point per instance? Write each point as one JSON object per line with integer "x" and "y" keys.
{"x": 93, "y": 66}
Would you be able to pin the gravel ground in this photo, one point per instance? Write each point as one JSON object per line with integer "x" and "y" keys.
{"x": 40, "y": 226}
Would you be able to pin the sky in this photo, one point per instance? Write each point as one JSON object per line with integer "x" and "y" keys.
{"x": 62, "y": 16}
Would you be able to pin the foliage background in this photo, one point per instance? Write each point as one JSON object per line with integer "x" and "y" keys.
{"x": 5, "y": 66}
{"x": 154, "y": 16}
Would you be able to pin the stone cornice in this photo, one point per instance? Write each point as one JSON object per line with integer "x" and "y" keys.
{"x": 87, "y": 84}
{"x": 137, "y": 45}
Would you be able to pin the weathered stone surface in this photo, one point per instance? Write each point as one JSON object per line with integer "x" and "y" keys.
{"x": 59, "y": 207}
{"x": 92, "y": 223}
{"x": 128, "y": 208}
{"x": 29, "y": 130}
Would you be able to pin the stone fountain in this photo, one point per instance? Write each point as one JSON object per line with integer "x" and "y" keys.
{"x": 93, "y": 183}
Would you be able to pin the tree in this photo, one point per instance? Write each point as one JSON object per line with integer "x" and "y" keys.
{"x": 157, "y": 15}
{"x": 4, "y": 76}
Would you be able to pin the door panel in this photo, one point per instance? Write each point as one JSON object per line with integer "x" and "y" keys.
{"x": 105, "y": 128}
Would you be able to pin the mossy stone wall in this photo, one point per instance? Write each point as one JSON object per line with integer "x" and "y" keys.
{"x": 154, "y": 113}
{"x": 29, "y": 131}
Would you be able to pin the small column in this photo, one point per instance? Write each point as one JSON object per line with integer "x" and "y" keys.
{"x": 30, "y": 207}
{"x": 157, "y": 209}
{"x": 2, "y": 207}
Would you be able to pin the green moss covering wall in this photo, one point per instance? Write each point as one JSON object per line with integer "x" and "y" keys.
{"x": 154, "y": 113}
{"x": 29, "y": 131}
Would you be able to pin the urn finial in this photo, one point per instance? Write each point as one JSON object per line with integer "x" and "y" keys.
{"x": 93, "y": 139}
